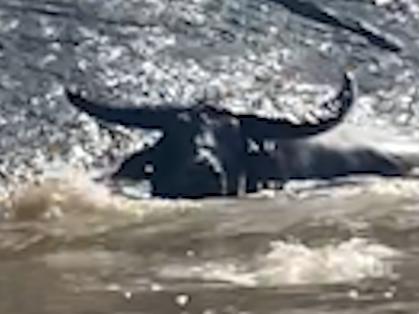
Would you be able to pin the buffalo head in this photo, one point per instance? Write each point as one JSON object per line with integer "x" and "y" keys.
{"x": 204, "y": 149}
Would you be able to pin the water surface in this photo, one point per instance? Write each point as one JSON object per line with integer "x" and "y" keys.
{"x": 70, "y": 245}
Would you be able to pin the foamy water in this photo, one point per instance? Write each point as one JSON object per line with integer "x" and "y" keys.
{"x": 352, "y": 242}
{"x": 74, "y": 191}
{"x": 298, "y": 264}
{"x": 71, "y": 245}
{"x": 78, "y": 205}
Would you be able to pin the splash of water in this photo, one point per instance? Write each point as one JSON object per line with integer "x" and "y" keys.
{"x": 73, "y": 191}
{"x": 296, "y": 264}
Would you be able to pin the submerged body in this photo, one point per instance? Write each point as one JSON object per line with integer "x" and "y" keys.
{"x": 341, "y": 152}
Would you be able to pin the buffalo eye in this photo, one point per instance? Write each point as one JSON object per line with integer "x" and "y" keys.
{"x": 148, "y": 169}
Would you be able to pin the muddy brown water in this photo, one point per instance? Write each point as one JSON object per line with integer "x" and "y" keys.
{"x": 69, "y": 245}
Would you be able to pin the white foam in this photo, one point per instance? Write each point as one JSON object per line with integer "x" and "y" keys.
{"x": 73, "y": 191}
{"x": 297, "y": 264}
{"x": 348, "y": 261}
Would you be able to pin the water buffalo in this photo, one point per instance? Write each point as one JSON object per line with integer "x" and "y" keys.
{"x": 204, "y": 150}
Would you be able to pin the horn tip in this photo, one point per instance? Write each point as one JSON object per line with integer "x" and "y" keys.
{"x": 74, "y": 95}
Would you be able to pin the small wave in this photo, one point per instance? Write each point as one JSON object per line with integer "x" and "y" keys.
{"x": 74, "y": 191}
{"x": 351, "y": 260}
{"x": 295, "y": 264}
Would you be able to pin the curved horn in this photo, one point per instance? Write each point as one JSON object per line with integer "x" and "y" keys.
{"x": 265, "y": 128}
{"x": 145, "y": 117}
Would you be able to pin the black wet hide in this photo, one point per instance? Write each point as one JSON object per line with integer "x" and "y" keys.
{"x": 204, "y": 151}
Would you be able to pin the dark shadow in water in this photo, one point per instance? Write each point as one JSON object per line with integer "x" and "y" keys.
{"x": 311, "y": 11}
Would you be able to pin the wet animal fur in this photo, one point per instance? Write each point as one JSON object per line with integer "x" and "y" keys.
{"x": 204, "y": 150}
